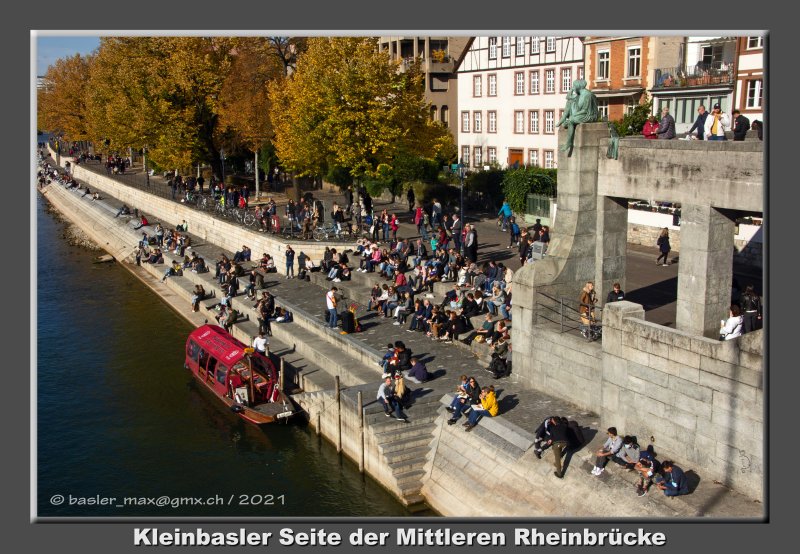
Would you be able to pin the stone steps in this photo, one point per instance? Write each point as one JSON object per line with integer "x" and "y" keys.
{"x": 406, "y": 455}
{"x": 403, "y": 467}
{"x": 404, "y": 444}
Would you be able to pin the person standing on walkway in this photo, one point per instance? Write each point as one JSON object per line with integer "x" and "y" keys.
{"x": 663, "y": 246}
{"x": 436, "y": 214}
{"x": 716, "y": 123}
{"x": 471, "y": 243}
{"x": 616, "y": 294}
{"x": 456, "y": 230}
{"x": 699, "y": 124}
{"x": 750, "y": 304}
{"x": 289, "y": 261}
{"x": 740, "y": 126}
{"x": 558, "y": 444}
{"x": 330, "y": 302}
{"x": 410, "y": 198}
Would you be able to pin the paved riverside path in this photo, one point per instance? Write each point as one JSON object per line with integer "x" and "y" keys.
{"x": 654, "y": 287}
{"x": 525, "y": 408}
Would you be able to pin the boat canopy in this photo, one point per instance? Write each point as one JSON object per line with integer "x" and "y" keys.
{"x": 218, "y": 343}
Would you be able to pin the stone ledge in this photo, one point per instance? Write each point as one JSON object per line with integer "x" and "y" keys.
{"x": 502, "y": 428}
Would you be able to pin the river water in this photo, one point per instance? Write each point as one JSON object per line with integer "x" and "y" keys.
{"x": 122, "y": 429}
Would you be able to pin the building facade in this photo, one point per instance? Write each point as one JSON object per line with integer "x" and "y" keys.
{"x": 511, "y": 94}
{"x": 619, "y": 70}
{"x": 749, "y": 96}
{"x": 701, "y": 74}
{"x": 439, "y": 57}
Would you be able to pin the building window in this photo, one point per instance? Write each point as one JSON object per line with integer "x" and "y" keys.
{"x": 712, "y": 56}
{"x": 533, "y": 121}
{"x": 549, "y": 158}
{"x": 465, "y": 122}
{"x": 635, "y": 61}
{"x": 492, "y": 85}
{"x": 603, "y": 63}
{"x": 492, "y": 48}
{"x": 630, "y": 104}
{"x": 754, "y": 94}
{"x": 551, "y": 44}
{"x": 506, "y": 46}
{"x": 478, "y": 123}
{"x": 477, "y": 156}
{"x": 549, "y": 81}
{"x": 465, "y": 155}
{"x": 533, "y": 158}
{"x": 492, "y": 154}
{"x": 477, "y": 85}
{"x": 519, "y": 83}
{"x": 519, "y": 121}
{"x": 580, "y": 72}
{"x": 602, "y": 109}
{"x": 534, "y": 82}
{"x": 566, "y": 79}
{"x": 520, "y": 46}
{"x": 492, "y": 122}
{"x": 755, "y": 42}
{"x": 445, "y": 115}
{"x": 549, "y": 121}
{"x": 534, "y": 45}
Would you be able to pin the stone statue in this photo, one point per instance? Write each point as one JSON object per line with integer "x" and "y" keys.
{"x": 581, "y": 107}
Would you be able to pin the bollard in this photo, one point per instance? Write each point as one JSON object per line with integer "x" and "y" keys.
{"x": 280, "y": 376}
{"x": 339, "y": 415}
{"x": 361, "y": 430}
{"x": 319, "y": 423}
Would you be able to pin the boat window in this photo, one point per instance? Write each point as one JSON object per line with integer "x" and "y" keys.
{"x": 212, "y": 364}
{"x": 201, "y": 365}
{"x": 193, "y": 350}
{"x": 222, "y": 373}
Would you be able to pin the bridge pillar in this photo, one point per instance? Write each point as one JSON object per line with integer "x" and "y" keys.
{"x": 705, "y": 271}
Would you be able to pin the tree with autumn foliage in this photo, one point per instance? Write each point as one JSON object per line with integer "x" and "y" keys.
{"x": 61, "y": 103}
{"x": 162, "y": 93}
{"x": 348, "y": 105}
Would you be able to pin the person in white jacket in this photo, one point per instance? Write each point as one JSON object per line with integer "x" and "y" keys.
{"x": 732, "y": 328}
{"x": 716, "y": 124}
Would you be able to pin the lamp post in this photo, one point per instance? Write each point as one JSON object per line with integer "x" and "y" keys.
{"x": 222, "y": 161}
{"x": 460, "y": 168}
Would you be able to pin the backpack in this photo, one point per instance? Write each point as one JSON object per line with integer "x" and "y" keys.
{"x": 514, "y": 229}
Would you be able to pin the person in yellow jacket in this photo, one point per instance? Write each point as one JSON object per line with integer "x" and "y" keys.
{"x": 488, "y": 406}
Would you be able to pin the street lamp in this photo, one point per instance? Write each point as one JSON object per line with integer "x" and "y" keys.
{"x": 460, "y": 168}
{"x": 222, "y": 158}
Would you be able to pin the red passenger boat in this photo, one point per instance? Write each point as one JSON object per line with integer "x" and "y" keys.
{"x": 244, "y": 380}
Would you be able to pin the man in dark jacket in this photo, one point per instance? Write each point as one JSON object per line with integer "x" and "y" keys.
{"x": 666, "y": 128}
{"x": 699, "y": 123}
{"x": 558, "y": 442}
{"x": 674, "y": 482}
{"x": 616, "y": 294}
{"x": 740, "y": 125}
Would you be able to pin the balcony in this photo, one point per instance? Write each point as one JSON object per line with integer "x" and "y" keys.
{"x": 444, "y": 64}
{"x": 700, "y": 75}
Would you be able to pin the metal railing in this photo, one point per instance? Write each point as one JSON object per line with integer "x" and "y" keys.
{"x": 700, "y": 74}
{"x": 563, "y": 312}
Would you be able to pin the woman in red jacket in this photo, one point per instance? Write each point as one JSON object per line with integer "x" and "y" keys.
{"x": 650, "y": 128}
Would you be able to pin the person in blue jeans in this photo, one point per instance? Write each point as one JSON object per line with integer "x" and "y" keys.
{"x": 673, "y": 482}
{"x": 330, "y": 301}
{"x": 505, "y": 213}
{"x": 289, "y": 261}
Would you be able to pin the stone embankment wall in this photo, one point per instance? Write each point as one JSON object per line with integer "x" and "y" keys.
{"x": 224, "y": 233}
{"x": 702, "y": 400}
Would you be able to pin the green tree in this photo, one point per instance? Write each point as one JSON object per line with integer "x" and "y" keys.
{"x": 61, "y": 103}
{"x": 160, "y": 92}
{"x": 348, "y": 105}
{"x": 518, "y": 183}
{"x": 632, "y": 123}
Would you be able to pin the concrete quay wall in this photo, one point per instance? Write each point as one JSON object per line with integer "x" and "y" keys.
{"x": 701, "y": 399}
{"x": 221, "y": 232}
